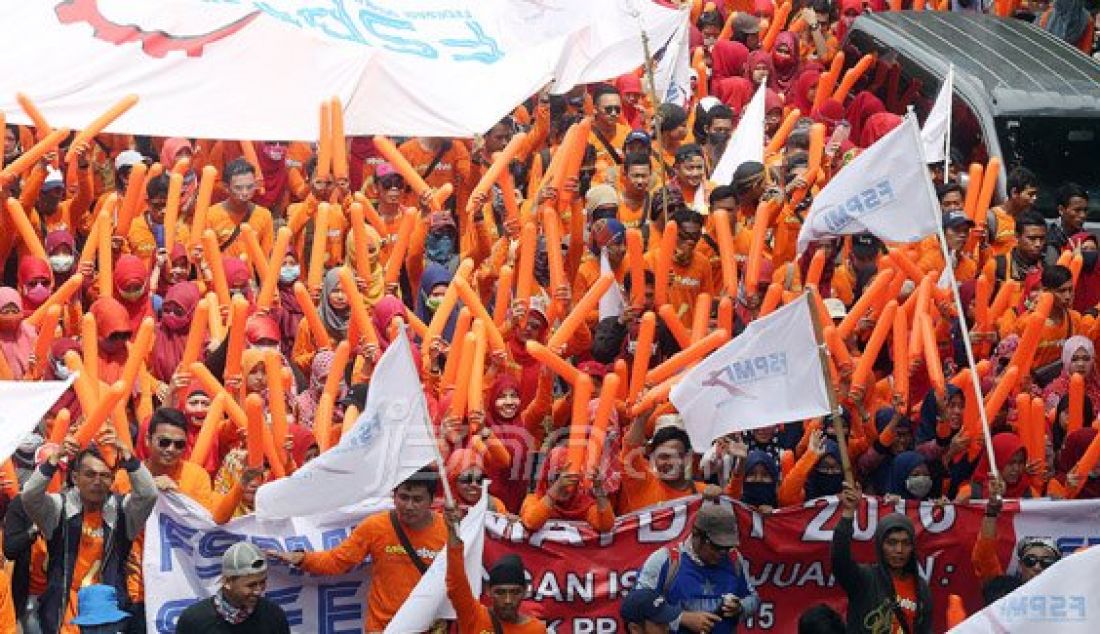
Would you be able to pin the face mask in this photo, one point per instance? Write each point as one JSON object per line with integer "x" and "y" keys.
{"x": 132, "y": 296}
{"x": 433, "y": 303}
{"x": 919, "y": 486}
{"x": 61, "y": 263}
{"x": 759, "y": 494}
{"x": 1089, "y": 259}
{"x": 175, "y": 323}
{"x": 289, "y": 273}
{"x": 719, "y": 139}
{"x": 38, "y": 294}
{"x": 821, "y": 484}
{"x": 61, "y": 371}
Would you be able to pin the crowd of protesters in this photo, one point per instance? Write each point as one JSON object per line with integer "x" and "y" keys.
{"x": 185, "y": 279}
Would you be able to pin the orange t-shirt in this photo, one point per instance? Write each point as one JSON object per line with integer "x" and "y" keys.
{"x": 906, "y": 588}
{"x": 392, "y": 567}
{"x": 641, "y": 492}
{"x": 473, "y": 618}
{"x": 87, "y": 568}
{"x": 224, "y": 223}
{"x": 7, "y": 608}
{"x": 685, "y": 283}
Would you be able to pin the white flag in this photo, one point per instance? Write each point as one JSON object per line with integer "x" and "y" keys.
{"x": 672, "y": 75}
{"x": 428, "y": 601}
{"x": 612, "y": 303}
{"x": 770, "y": 373}
{"x": 938, "y": 123}
{"x": 1064, "y": 599}
{"x": 390, "y": 442}
{"x": 25, "y": 403}
{"x": 747, "y": 141}
{"x": 885, "y": 190}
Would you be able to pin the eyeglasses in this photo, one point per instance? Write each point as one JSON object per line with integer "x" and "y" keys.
{"x": 471, "y": 478}
{"x": 612, "y": 109}
{"x": 37, "y": 283}
{"x": 391, "y": 182}
{"x": 1031, "y": 561}
{"x": 165, "y": 443}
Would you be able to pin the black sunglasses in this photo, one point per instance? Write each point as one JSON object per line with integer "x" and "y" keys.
{"x": 716, "y": 547}
{"x": 613, "y": 109}
{"x": 1031, "y": 560}
{"x": 471, "y": 478}
{"x": 391, "y": 182}
{"x": 165, "y": 443}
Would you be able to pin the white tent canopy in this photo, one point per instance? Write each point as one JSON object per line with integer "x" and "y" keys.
{"x": 245, "y": 69}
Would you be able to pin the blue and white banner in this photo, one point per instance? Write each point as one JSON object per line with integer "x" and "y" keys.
{"x": 770, "y": 373}
{"x": 182, "y": 564}
{"x": 885, "y": 190}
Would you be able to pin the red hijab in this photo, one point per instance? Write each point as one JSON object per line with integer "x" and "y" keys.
{"x": 1074, "y": 448}
{"x": 110, "y": 317}
{"x": 33, "y": 268}
{"x": 129, "y": 269}
{"x": 629, "y": 84}
{"x": 735, "y": 92}
{"x": 799, "y": 94}
{"x": 727, "y": 60}
{"x": 760, "y": 58}
{"x": 877, "y": 126}
{"x": 786, "y": 68}
{"x": 1005, "y": 446}
{"x": 171, "y": 333}
{"x": 272, "y": 158}
{"x": 576, "y": 507}
{"x": 862, "y": 106}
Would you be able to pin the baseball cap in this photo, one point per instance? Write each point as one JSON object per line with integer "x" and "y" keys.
{"x": 718, "y": 523}
{"x": 956, "y": 219}
{"x": 865, "y": 245}
{"x": 668, "y": 420}
{"x": 643, "y": 604}
{"x": 383, "y": 170}
{"x": 128, "y": 158}
{"x": 600, "y": 196}
{"x": 638, "y": 135}
{"x": 836, "y": 308}
{"x": 54, "y": 180}
{"x": 243, "y": 558}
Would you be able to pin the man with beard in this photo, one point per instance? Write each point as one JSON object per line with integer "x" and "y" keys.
{"x": 239, "y": 606}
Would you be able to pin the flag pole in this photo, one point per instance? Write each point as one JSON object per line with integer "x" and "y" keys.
{"x": 949, "y": 266}
{"x": 950, "y": 112}
{"x": 448, "y": 496}
{"x": 834, "y": 408}
{"x": 651, "y": 90}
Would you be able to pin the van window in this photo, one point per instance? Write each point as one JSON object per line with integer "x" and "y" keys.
{"x": 1058, "y": 150}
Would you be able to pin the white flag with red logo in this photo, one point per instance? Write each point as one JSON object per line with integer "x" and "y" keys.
{"x": 770, "y": 373}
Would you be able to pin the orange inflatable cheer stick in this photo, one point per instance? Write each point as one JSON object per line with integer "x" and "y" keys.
{"x": 462, "y": 378}
{"x": 642, "y": 352}
{"x": 557, "y": 365}
{"x": 725, "y": 313}
{"x": 1076, "y": 403}
{"x": 213, "y": 256}
{"x": 23, "y": 227}
{"x": 525, "y": 274}
{"x": 89, "y": 133}
{"x": 397, "y": 253}
{"x": 883, "y": 328}
{"x": 89, "y": 342}
{"x": 324, "y": 141}
{"x": 901, "y": 353}
{"x": 195, "y": 336}
{"x": 503, "y": 298}
{"x": 982, "y": 294}
{"x": 104, "y": 255}
{"x": 578, "y": 428}
{"x": 316, "y": 326}
{"x": 1031, "y": 426}
{"x": 216, "y": 327}
{"x": 103, "y": 407}
{"x": 779, "y": 21}
{"x": 204, "y": 441}
{"x": 475, "y": 399}
{"x": 254, "y": 439}
{"x": 580, "y": 312}
{"x": 726, "y": 253}
{"x": 371, "y": 215}
{"x": 338, "y": 140}
{"x": 551, "y": 228}
{"x": 34, "y": 154}
{"x": 266, "y": 295}
{"x": 672, "y": 321}
{"x": 255, "y": 251}
{"x": 996, "y": 399}
{"x": 454, "y": 357}
{"x": 139, "y": 351}
{"x": 764, "y": 212}
{"x": 989, "y": 186}
{"x": 42, "y": 127}
{"x": 319, "y": 248}
{"x": 816, "y": 269}
{"x": 598, "y": 435}
{"x": 60, "y": 297}
{"x": 571, "y": 164}
{"x": 235, "y": 350}
{"x": 931, "y": 353}
{"x": 132, "y": 201}
{"x": 904, "y": 264}
{"x": 359, "y": 233}
{"x": 46, "y": 334}
{"x": 970, "y": 201}
{"x": 827, "y": 81}
{"x": 1033, "y": 331}
{"x": 687, "y": 357}
{"x": 340, "y": 360}
{"x": 636, "y": 262}
{"x": 60, "y": 429}
{"x": 395, "y": 158}
{"x": 771, "y": 299}
{"x": 664, "y": 263}
{"x": 837, "y": 348}
{"x": 852, "y": 76}
{"x": 501, "y": 161}
{"x": 1086, "y": 464}
{"x": 956, "y": 613}
{"x": 440, "y": 317}
{"x": 1003, "y": 300}
{"x": 172, "y": 210}
{"x": 359, "y": 316}
{"x": 777, "y": 142}
{"x": 470, "y": 298}
{"x": 202, "y": 202}
{"x": 817, "y": 149}
{"x": 507, "y": 184}
{"x": 700, "y": 317}
{"x": 1075, "y": 265}
{"x": 276, "y": 397}
{"x": 864, "y": 303}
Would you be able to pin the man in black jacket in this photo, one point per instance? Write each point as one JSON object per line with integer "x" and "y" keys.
{"x": 239, "y": 606}
{"x": 889, "y": 595}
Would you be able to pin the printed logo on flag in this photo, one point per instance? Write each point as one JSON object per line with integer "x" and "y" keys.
{"x": 835, "y": 218}
{"x": 746, "y": 371}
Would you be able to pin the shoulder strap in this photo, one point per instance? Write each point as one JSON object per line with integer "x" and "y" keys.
{"x": 615, "y": 156}
{"x": 710, "y": 240}
{"x": 237, "y": 229}
{"x": 406, "y": 544}
{"x": 436, "y": 159}
{"x": 1000, "y": 273}
{"x": 498, "y": 628}
{"x": 672, "y": 571}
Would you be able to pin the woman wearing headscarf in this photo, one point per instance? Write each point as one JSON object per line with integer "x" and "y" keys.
{"x": 1011, "y": 457}
{"x": 56, "y": 370}
{"x": 172, "y": 150}
{"x": 1071, "y": 22}
{"x": 1076, "y": 444}
{"x": 630, "y": 87}
{"x": 276, "y": 176}
{"x": 436, "y": 240}
{"x": 895, "y": 436}
{"x": 816, "y": 473}
{"x": 308, "y": 400}
{"x": 787, "y": 59}
{"x": 335, "y": 313}
{"x": 466, "y": 473}
{"x": 288, "y": 314}
{"x": 802, "y": 92}
{"x": 170, "y": 337}
{"x": 735, "y": 92}
{"x": 862, "y": 106}
{"x": 727, "y": 60}
{"x": 759, "y": 68}
{"x": 114, "y": 330}
{"x": 760, "y": 484}
{"x": 566, "y": 495}
{"x": 910, "y": 478}
{"x": 877, "y": 126}
{"x": 238, "y": 277}
{"x": 1078, "y": 357}
{"x": 1086, "y": 294}
{"x": 16, "y": 336}
{"x": 518, "y": 428}
{"x": 830, "y": 113}
{"x": 131, "y": 280}
{"x": 374, "y": 286}
{"x": 35, "y": 281}
{"x": 433, "y": 285}
{"x": 606, "y": 236}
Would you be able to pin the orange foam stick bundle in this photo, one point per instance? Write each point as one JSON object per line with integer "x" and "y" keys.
{"x": 396, "y": 259}
{"x": 319, "y": 248}
{"x": 1003, "y": 299}
{"x": 267, "y": 287}
{"x": 643, "y": 351}
{"x": 580, "y": 311}
{"x": 578, "y": 428}
{"x": 664, "y": 263}
{"x": 100, "y": 123}
{"x": 557, "y": 365}
{"x": 313, "y": 319}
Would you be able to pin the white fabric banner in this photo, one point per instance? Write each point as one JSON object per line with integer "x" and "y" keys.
{"x": 770, "y": 373}
{"x": 428, "y": 601}
{"x": 390, "y": 442}
{"x": 25, "y": 403}
{"x": 747, "y": 141}
{"x": 182, "y": 564}
{"x": 672, "y": 74}
{"x": 251, "y": 69}
{"x": 885, "y": 190}
{"x": 1065, "y": 599}
{"x": 612, "y": 303}
{"x": 934, "y": 134}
